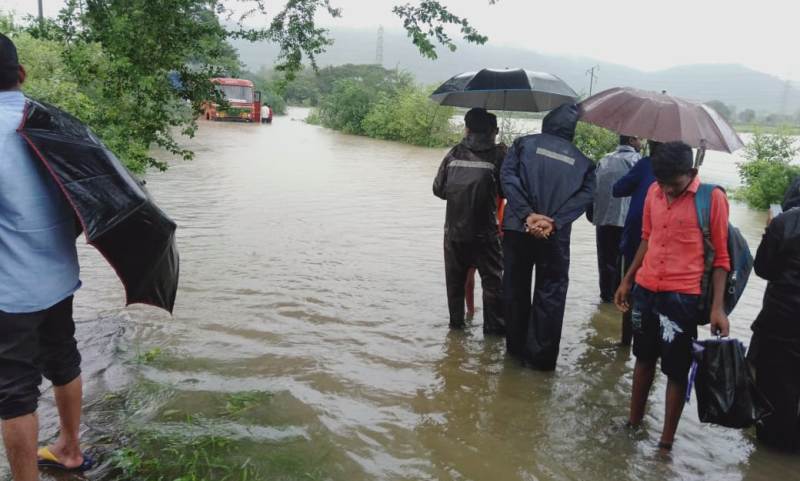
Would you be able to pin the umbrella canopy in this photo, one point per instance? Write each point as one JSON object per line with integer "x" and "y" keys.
{"x": 660, "y": 117}
{"x": 117, "y": 214}
{"x": 518, "y": 89}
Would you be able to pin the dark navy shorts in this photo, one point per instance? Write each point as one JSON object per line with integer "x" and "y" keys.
{"x": 664, "y": 326}
{"x": 31, "y": 346}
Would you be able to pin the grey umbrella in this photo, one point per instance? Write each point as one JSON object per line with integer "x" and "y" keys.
{"x": 661, "y": 117}
{"x": 507, "y": 89}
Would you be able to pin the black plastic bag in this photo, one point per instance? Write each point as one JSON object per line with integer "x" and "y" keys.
{"x": 726, "y": 392}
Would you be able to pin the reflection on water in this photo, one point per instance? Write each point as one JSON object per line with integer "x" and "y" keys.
{"x": 312, "y": 273}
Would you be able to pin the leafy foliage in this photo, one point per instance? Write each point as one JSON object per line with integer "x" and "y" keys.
{"x": 347, "y": 106}
{"x": 355, "y": 89}
{"x": 409, "y": 116}
{"x": 428, "y": 20}
{"x": 768, "y": 170}
{"x": 595, "y": 142}
{"x": 385, "y": 104}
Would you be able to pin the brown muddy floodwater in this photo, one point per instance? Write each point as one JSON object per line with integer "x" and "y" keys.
{"x": 312, "y": 271}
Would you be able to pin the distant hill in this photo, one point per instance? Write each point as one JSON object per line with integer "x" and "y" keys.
{"x": 734, "y": 85}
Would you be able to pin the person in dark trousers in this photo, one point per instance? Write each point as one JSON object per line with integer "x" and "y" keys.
{"x": 548, "y": 184}
{"x": 635, "y": 185}
{"x": 667, "y": 272}
{"x": 39, "y": 274}
{"x": 775, "y": 346}
{"x": 608, "y": 213}
{"x": 468, "y": 179}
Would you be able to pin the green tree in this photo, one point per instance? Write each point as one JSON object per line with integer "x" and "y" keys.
{"x": 595, "y": 142}
{"x": 409, "y": 116}
{"x": 768, "y": 169}
{"x": 347, "y": 106}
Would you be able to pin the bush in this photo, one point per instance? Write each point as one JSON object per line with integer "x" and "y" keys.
{"x": 409, "y": 116}
{"x": 768, "y": 170}
{"x": 347, "y": 106}
{"x": 313, "y": 117}
{"x": 595, "y": 142}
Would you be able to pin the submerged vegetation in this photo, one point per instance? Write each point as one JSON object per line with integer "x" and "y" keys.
{"x": 162, "y": 432}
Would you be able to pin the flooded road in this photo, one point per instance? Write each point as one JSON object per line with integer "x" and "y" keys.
{"x": 312, "y": 275}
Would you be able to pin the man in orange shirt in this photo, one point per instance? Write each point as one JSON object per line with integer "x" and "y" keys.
{"x": 664, "y": 282}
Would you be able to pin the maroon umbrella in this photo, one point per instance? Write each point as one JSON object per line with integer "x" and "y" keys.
{"x": 660, "y": 117}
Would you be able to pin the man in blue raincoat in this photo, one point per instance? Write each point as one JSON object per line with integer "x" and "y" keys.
{"x": 548, "y": 183}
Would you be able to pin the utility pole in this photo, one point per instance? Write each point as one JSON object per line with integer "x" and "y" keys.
{"x": 592, "y": 73}
{"x": 379, "y": 47}
{"x": 41, "y": 15}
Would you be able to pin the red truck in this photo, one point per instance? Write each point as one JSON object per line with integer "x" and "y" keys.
{"x": 244, "y": 100}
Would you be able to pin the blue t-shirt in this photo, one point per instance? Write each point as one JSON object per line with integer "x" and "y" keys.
{"x": 38, "y": 257}
{"x": 635, "y": 185}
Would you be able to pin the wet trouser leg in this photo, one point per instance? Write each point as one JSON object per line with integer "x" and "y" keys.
{"x": 456, "y": 265}
{"x": 489, "y": 259}
{"x": 549, "y": 300}
{"x": 518, "y": 268}
{"x": 627, "y": 320}
{"x": 778, "y": 379}
{"x": 608, "y": 256}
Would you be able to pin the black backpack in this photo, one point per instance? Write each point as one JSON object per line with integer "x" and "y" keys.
{"x": 738, "y": 250}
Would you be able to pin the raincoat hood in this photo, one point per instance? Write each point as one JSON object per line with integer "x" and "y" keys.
{"x": 792, "y": 197}
{"x": 561, "y": 122}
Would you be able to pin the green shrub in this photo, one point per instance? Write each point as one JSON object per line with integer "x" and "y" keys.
{"x": 347, "y": 106}
{"x": 313, "y": 117}
{"x": 409, "y": 116}
{"x": 768, "y": 170}
{"x": 595, "y": 142}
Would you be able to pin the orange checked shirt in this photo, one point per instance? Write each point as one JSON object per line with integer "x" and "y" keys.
{"x": 674, "y": 258}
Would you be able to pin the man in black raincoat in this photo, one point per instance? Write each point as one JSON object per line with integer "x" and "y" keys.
{"x": 468, "y": 179}
{"x": 548, "y": 184}
{"x": 775, "y": 346}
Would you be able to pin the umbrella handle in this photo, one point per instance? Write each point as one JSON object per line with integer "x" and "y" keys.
{"x": 701, "y": 155}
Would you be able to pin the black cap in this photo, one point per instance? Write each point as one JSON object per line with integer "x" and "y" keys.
{"x": 478, "y": 120}
{"x": 8, "y": 53}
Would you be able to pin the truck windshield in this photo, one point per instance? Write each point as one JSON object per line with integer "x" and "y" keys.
{"x": 237, "y": 93}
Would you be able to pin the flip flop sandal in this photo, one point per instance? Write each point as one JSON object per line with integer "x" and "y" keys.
{"x": 48, "y": 460}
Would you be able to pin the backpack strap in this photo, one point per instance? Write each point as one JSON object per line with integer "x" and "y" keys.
{"x": 702, "y": 203}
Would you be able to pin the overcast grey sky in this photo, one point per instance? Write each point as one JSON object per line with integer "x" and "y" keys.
{"x": 645, "y": 34}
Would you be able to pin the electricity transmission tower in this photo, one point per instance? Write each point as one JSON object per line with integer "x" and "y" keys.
{"x": 379, "y": 47}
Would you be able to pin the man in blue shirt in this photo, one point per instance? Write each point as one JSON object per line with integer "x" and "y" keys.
{"x": 39, "y": 274}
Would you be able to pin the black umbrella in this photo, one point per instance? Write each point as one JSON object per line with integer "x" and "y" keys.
{"x": 117, "y": 214}
{"x": 517, "y": 89}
